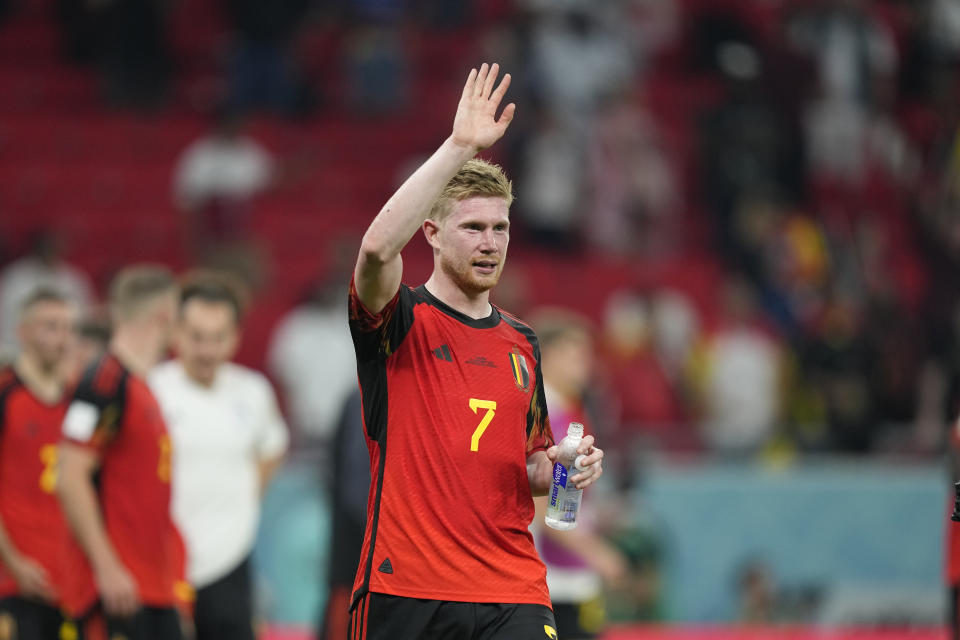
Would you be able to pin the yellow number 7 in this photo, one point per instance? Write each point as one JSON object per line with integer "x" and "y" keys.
{"x": 491, "y": 407}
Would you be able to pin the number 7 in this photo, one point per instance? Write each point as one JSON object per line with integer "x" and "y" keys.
{"x": 490, "y": 406}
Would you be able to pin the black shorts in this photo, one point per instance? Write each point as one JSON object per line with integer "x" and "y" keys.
{"x": 378, "y": 616}
{"x": 224, "y": 609}
{"x": 25, "y": 619}
{"x": 149, "y": 623}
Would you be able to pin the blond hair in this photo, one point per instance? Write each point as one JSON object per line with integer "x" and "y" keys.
{"x": 477, "y": 178}
{"x": 136, "y": 287}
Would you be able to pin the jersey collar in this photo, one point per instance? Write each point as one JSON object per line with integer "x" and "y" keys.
{"x": 489, "y": 322}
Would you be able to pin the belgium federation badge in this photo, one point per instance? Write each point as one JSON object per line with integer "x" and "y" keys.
{"x": 521, "y": 373}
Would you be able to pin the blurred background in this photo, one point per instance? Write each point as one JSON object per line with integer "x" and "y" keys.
{"x": 749, "y": 207}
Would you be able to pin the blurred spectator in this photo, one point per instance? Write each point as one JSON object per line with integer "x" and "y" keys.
{"x": 634, "y": 194}
{"x": 579, "y": 561}
{"x": 348, "y": 491}
{"x": 640, "y": 538}
{"x": 217, "y": 178}
{"x": 740, "y": 373}
{"x": 311, "y": 355}
{"x": 377, "y": 71}
{"x": 229, "y": 438}
{"x": 757, "y": 593}
{"x": 747, "y": 145}
{"x": 262, "y": 71}
{"x": 44, "y": 267}
{"x": 550, "y": 188}
{"x": 216, "y": 181}
{"x": 580, "y": 55}
{"x": 851, "y": 46}
{"x": 675, "y": 326}
{"x": 647, "y": 401}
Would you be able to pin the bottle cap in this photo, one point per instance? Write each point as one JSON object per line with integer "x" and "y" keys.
{"x": 575, "y": 430}
{"x": 578, "y": 461}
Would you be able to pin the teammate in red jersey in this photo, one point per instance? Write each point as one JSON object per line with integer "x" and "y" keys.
{"x": 453, "y": 406}
{"x": 115, "y": 473}
{"x": 33, "y": 532}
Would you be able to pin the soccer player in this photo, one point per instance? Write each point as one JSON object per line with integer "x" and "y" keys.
{"x": 229, "y": 437}
{"x": 453, "y": 406}
{"x": 33, "y": 531}
{"x": 115, "y": 473}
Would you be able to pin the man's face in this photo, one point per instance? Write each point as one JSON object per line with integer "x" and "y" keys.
{"x": 46, "y": 333}
{"x": 472, "y": 243}
{"x": 206, "y": 337}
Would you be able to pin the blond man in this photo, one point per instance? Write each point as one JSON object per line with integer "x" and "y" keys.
{"x": 453, "y": 406}
{"x": 115, "y": 464}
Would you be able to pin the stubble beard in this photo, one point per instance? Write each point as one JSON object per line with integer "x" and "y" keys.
{"x": 462, "y": 275}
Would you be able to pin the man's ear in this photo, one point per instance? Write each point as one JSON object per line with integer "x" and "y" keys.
{"x": 431, "y": 231}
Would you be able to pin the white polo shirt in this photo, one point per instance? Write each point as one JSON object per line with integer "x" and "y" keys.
{"x": 219, "y": 434}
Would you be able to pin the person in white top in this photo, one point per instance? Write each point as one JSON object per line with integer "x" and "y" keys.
{"x": 228, "y": 437}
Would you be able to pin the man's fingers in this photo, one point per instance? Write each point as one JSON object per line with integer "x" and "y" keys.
{"x": 507, "y": 116}
{"x": 468, "y": 85}
{"x": 480, "y": 80}
{"x": 501, "y": 89}
{"x": 490, "y": 80}
{"x": 585, "y": 444}
{"x": 595, "y": 472}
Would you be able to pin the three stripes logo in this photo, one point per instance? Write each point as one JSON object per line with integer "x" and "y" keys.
{"x": 521, "y": 374}
{"x": 443, "y": 353}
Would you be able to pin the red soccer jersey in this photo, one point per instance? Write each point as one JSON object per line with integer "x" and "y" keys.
{"x": 452, "y": 407}
{"x": 114, "y": 412}
{"x": 29, "y": 434}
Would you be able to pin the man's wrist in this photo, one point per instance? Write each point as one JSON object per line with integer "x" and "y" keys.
{"x": 105, "y": 561}
{"x": 465, "y": 150}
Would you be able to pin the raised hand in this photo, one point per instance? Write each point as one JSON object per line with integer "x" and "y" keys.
{"x": 476, "y": 125}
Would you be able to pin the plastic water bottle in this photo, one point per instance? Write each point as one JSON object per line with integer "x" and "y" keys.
{"x": 564, "y": 496}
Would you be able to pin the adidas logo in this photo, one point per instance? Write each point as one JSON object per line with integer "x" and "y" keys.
{"x": 385, "y": 566}
{"x": 443, "y": 353}
{"x": 481, "y": 362}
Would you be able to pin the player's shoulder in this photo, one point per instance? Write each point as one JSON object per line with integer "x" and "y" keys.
{"x": 518, "y": 325}
{"x": 102, "y": 381}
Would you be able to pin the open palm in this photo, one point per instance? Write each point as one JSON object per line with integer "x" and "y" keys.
{"x": 476, "y": 124}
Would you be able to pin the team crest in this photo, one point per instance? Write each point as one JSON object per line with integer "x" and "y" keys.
{"x": 521, "y": 373}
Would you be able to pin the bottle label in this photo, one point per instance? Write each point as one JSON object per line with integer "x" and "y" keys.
{"x": 559, "y": 482}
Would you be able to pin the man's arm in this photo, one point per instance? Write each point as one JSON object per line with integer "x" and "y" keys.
{"x": 475, "y": 127}
{"x": 266, "y": 469}
{"x": 540, "y": 467}
{"x": 30, "y": 576}
{"x": 118, "y": 590}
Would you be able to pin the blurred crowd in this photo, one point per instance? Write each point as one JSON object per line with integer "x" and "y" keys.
{"x": 808, "y": 150}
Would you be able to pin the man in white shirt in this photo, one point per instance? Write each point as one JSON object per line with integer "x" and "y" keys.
{"x": 228, "y": 437}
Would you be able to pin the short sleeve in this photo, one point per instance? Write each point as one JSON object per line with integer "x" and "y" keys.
{"x": 96, "y": 409}
{"x": 539, "y": 433}
{"x": 377, "y": 335}
{"x": 273, "y": 437}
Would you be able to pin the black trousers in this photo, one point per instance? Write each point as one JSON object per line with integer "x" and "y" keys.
{"x": 149, "y": 623}
{"x": 224, "y": 609}
{"x": 25, "y": 619}
{"x": 378, "y": 616}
